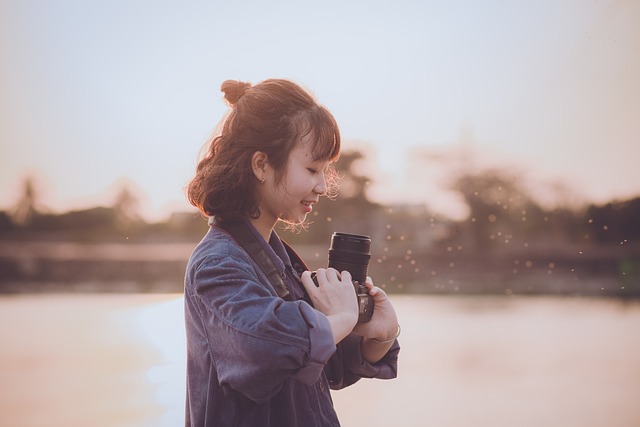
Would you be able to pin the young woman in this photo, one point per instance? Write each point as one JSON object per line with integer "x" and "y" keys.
{"x": 265, "y": 344}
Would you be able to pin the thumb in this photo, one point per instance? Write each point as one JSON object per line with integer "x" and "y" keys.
{"x": 307, "y": 281}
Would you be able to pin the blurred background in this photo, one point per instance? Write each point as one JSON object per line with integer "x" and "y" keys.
{"x": 489, "y": 150}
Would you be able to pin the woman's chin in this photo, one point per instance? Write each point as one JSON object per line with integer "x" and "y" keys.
{"x": 294, "y": 220}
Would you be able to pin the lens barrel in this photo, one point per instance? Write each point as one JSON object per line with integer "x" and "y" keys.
{"x": 350, "y": 252}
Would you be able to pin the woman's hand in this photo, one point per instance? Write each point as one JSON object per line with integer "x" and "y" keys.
{"x": 378, "y": 333}
{"x": 384, "y": 322}
{"x": 334, "y": 296}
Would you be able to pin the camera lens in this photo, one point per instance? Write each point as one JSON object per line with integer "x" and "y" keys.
{"x": 350, "y": 252}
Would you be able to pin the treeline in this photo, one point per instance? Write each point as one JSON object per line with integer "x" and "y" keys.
{"x": 28, "y": 221}
{"x": 508, "y": 243}
{"x": 501, "y": 213}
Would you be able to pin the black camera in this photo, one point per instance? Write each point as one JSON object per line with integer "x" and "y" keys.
{"x": 350, "y": 252}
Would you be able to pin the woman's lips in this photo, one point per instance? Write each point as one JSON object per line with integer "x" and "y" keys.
{"x": 308, "y": 206}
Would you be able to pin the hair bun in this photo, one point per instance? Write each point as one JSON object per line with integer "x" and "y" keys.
{"x": 234, "y": 90}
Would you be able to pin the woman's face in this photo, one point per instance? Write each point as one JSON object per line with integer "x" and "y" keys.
{"x": 304, "y": 181}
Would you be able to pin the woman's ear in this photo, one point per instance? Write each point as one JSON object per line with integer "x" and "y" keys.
{"x": 259, "y": 164}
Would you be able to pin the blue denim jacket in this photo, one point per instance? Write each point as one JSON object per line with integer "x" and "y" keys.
{"x": 254, "y": 359}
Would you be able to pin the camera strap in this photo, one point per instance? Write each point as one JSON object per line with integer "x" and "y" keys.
{"x": 252, "y": 246}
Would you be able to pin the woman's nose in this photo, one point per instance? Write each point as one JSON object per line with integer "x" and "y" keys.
{"x": 321, "y": 185}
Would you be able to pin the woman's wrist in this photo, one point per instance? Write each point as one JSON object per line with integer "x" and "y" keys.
{"x": 388, "y": 339}
{"x": 341, "y": 325}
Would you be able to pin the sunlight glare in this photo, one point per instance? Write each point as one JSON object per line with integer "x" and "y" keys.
{"x": 161, "y": 326}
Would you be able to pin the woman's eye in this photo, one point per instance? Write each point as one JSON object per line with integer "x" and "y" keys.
{"x": 313, "y": 171}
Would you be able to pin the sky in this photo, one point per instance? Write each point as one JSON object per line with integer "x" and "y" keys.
{"x": 99, "y": 94}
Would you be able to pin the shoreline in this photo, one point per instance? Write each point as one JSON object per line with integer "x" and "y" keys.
{"x": 68, "y": 267}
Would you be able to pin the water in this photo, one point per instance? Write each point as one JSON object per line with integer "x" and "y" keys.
{"x": 118, "y": 360}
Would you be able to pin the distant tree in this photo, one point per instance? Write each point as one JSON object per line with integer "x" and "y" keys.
{"x": 126, "y": 205}
{"x": 500, "y": 209}
{"x": 6, "y": 224}
{"x": 352, "y": 210}
{"x": 614, "y": 222}
{"x": 26, "y": 208}
{"x": 353, "y": 187}
{"x": 84, "y": 221}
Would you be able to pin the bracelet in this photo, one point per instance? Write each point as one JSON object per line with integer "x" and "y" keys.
{"x": 389, "y": 340}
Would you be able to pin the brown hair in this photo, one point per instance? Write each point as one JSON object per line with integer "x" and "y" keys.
{"x": 270, "y": 117}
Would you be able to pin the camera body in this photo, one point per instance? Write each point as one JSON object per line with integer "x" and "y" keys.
{"x": 350, "y": 252}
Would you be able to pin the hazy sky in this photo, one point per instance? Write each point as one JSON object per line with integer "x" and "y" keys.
{"x": 93, "y": 92}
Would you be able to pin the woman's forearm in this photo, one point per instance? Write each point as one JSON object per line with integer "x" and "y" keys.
{"x": 341, "y": 326}
{"x": 373, "y": 351}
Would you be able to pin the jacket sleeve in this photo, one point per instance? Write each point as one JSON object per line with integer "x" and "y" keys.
{"x": 257, "y": 340}
{"x": 347, "y": 365}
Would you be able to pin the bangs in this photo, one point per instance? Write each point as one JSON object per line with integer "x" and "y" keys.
{"x": 320, "y": 124}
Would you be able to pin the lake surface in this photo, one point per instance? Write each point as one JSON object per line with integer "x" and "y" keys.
{"x": 118, "y": 360}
